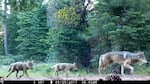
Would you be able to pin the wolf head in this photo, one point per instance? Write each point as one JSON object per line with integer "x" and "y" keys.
{"x": 75, "y": 67}
{"x": 30, "y": 64}
{"x": 142, "y": 57}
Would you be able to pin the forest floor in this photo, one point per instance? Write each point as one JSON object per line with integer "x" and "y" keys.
{"x": 124, "y": 78}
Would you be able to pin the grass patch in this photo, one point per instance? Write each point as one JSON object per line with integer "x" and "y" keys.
{"x": 41, "y": 69}
{"x": 142, "y": 70}
{"x": 4, "y": 70}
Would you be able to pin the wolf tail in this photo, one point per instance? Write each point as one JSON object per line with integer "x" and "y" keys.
{"x": 10, "y": 68}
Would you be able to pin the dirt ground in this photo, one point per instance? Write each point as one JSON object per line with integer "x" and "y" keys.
{"x": 125, "y": 78}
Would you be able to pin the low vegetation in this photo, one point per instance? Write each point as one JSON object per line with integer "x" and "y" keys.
{"x": 44, "y": 70}
{"x": 41, "y": 69}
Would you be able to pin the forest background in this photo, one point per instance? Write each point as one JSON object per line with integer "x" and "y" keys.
{"x": 72, "y": 30}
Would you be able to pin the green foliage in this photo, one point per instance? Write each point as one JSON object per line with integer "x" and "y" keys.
{"x": 6, "y": 60}
{"x": 64, "y": 41}
{"x": 1, "y": 45}
{"x": 24, "y": 5}
{"x": 52, "y": 42}
{"x": 142, "y": 70}
{"x": 12, "y": 33}
{"x": 59, "y": 4}
{"x": 112, "y": 25}
{"x": 67, "y": 17}
{"x": 120, "y": 25}
{"x": 95, "y": 61}
{"x": 1, "y": 29}
{"x": 32, "y": 30}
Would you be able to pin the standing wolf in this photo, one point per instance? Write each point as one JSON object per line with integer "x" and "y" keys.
{"x": 124, "y": 58}
{"x": 24, "y": 66}
{"x": 64, "y": 67}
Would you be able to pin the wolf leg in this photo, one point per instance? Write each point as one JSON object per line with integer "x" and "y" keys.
{"x": 101, "y": 70}
{"x": 56, "y": 73}
{"x": 9, "y": 74}
{"x": 122, "y": 70}
{"x": 126, "y": 64}
{"x": 22, "y": 74}
{"x": 67, "y": 73}
{"x": 17, "y": 71}
{"x": 26, "y": 73}
{"x": 11, "y": 69}
{"x": 132, "y": 69}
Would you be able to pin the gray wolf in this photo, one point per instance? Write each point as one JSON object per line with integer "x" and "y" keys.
{"x": 23, "y": 66}
{"x": 125, "y": 58}
{"x": 64, "y": 67}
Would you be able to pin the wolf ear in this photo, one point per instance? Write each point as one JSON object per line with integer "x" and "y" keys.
{"x": 142, "y": 53}
{"x": 74, "y": 63}
{"x": 32, "y": 61}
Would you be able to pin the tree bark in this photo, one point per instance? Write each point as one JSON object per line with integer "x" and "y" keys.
{"x": 5, "y": 28}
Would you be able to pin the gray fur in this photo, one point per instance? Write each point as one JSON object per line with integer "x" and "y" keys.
{"x": 20, "y": 66}
{"x": 64, "y": 67}
{"x": 125, "y": 58}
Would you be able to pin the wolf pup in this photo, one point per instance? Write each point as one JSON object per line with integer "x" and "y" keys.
{"x": 124, "y": 58}
{"x": 64, "y": 67}
{"x": 24, "y": 66}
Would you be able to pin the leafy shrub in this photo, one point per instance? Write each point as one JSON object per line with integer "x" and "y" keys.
{"x": 6, "y": 60}
{"x": 94, "y": 61}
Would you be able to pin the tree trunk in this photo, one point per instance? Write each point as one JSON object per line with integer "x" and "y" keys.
{"x": 5, "y": 28}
